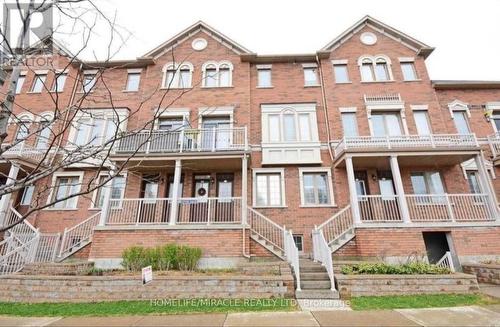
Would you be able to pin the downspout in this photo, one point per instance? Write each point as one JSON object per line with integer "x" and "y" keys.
{"x": 325, "y": 107}
{"x": 243, "y": 250}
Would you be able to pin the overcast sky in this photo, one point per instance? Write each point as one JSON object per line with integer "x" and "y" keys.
{"x": 466, "y": 34}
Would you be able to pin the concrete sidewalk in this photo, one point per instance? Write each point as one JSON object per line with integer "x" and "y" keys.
{"x": 458, "y": 316}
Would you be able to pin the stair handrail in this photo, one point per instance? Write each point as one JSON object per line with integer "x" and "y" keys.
{"x": 84, "y": 230}
{"x": 15, "y": 260}
{"x": 446, "y": 261}
{"x": 337, "y": 225}
{"x": 23, "y": 227}
{"x": 292, "y": 255}
{"x": 323, "y": 254}
{"x": 266, "y": 228}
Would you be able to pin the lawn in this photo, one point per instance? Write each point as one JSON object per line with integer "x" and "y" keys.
{"x": 146, "y": 307}
{"x": 419, "y": 301}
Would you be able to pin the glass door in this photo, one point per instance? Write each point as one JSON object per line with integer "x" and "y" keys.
{"x": 216, "y": 133}
{"x": 388, "y": 196}
{"x": 149, "y": 194}
{"x": 225, "y": 201}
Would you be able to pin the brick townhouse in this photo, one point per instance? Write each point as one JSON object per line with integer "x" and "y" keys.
{"x": 249, "y": 150}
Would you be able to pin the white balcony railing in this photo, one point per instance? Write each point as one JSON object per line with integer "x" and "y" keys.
{"x": 449, "y": 207}
{"x": 185, "y": 140}
{"x": 27, "y": 152}
{"x": 379, "y": 208}
{"x": 189, "y": 211}
{"x": 494, "y": 141}
{"x": 408, "y": 142}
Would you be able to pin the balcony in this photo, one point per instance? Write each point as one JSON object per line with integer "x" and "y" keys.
{"x": 411, "y": 143}
{"x": 160, "y": 143}
{"x": 426, "y": 208}
{"x": 28, "y": 154}
{"x": 190, "y": 211}
{"x": 494, "y": 142}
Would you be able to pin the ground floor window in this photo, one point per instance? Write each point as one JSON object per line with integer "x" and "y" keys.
{"x": 64, "y": 187}
{"x": 269, "y": 187}
{"x": 117, "y": 190}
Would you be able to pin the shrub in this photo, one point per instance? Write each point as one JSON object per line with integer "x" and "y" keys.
{"x": 170, "y": 256}
{"x": 388, "y": 269}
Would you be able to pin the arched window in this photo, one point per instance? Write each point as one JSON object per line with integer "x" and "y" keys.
{"x": 44, "y": 131}
{"x": 23, "y": 123}
{"x": 177, "y": 75}
{"x": 217, "y": 74}
{"x": 375, "y": 68}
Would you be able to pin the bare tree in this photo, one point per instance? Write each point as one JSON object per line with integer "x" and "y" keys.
{"x": 39, "y": 147}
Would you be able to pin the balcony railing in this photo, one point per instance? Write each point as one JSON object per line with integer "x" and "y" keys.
{"x": 406, "y": 142}
{"x": 185, "y": 140}
{"x": 26, "y": 152}
{"x": 426, "y": 208}
{"x": 494, "y": 141}
{"x": 189, "y": 211}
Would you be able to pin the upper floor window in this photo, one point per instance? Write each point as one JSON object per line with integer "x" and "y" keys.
{"x": 264, "y": 76}
{"x": 38, "y": 83}
{"x": 59, "y": 81}
{"x": 295, "y": 123}
{"x": 409, "y": 71}
{"x": 133, "y": 80}
{"x": 427, "y": 183}
{"x": 177, "y": 75}
{"x": 89, "y": 81}
{"x": 375, "y": 69}
{"x": 94, "y": 129}
{"x": 217, "y": 74}
{"x": 117, "y": 190}
{"x": 422, "y": 122}
{"x": 310, "y": 75}
{"x": 23, "y": 130}
{"x": 461, "y": 123}
{"x": 64, "y": 188}
{"x": 386, "y": 124}
{"x": 44, "y": 132}
{"x": 316, "y": 186}
{"x": 340, "y": 73}
{"x": 349, "y": 124}
{"x": 20, "y": 82}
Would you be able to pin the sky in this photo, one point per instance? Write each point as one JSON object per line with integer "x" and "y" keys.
{"x": 466, "y": 34}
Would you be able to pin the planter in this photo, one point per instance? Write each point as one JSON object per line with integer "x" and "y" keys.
{"x": 378, "y": 285}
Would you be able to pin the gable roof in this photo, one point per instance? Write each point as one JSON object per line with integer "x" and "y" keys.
{"x": 420, "y": 47}
{"x": 191, "y": 30}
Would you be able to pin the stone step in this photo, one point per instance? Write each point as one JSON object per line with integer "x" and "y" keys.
{"x": 314, "y": 276}
{"x": 317, "y": 294}
{"x": 315, "y": 284}
{"x": 312, "y": 269}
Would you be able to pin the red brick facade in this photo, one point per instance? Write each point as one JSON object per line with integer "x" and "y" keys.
{"x": 245, "y": 100}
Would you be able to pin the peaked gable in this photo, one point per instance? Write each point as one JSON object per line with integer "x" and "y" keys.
{"x": 417, "y": 46}
{"x": 190, "y": 31}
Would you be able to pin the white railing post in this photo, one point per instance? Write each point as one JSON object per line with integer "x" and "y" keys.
{"x": 450, "y": 207}
{"x": 56, "y": 247}
{"x": 214, "y": 138}
{"x": 487, "y": 187}
{"x": 175, "y": 192}
{"x": 107, "y": 201}
{"x": 209, "y": 209}
{"x": 244, "y": 187}
{"x": 181, "y": 141}
{"x": 5, "y": 200}
{"x": 398, "y": 183}
{"x": 433, "y": 144}
{"x": 246, "y": 138}
{"x": 352, "y": 190}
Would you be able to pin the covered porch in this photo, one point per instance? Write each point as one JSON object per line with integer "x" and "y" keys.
{"x": 415, "y": 189}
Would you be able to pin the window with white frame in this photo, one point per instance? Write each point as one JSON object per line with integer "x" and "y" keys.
{"x": 291, "y": 125}
{"x": 426, "y": 183}
{"x": 264, "y": 76}
{"x": 94, "y": 128}
{"x": 117, "y": 190}
{"x": 386, "y": 124}
{"x": 44, "y": 132}
{"x": 269, "y": 188}
{"x": 38, "y": 83}
{"x": 409, "y": 71}
{"x": 375, "y": 69}
{"x": 88, "y": 82}
{"x": 20, "y": 82}
{"x": 316, "y": 187}
{"x": 27, "y": 197}
{"x": 65, "y": 186}
{"x": 473, "y": 179}
{"x": 59, "y": 81}
{"x": 349, "y": 123}
{"x": 23, "y": 129}
{"x": 177, "y": 75}
{"x": 310, "y": 75}
{"x": 341, "y": 74}
{"x": 217, "y": 74}
{"x": 422, "y": 122}
{"x": 461, "y": 121}
{"x": 133, "y": 81}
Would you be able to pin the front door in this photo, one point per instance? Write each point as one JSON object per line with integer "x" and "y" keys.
{"x": 390, "y": 209}
{"x": 216, "y": 133}
{"x": 149, "y": 194}
{"x": 225, "y": 202}
{"x": 362, "y": 190}
{"x": 200, "y": 207}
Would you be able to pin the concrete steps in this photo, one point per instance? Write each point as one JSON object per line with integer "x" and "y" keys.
{"x": 342, "y": 240}
{"x": 267, "y": 245}
{"x": 314, "y": 281}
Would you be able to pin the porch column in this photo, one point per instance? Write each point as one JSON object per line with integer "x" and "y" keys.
{"x": 175, "y": 193}
{"x": 352, "y": 190}
{"x": 486, "y": 185}
{"x": 108, "y": 187}
{"x": 5, "y": 200}
{"x": 398, "y": 183}
{"x": 244, "y": 188}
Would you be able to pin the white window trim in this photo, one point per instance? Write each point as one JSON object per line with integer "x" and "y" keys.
{"x": 339, "y": 61}
{"x": 280, "y": 171}
{"x": 217, "y": 68}
{"x": 374, "y": 62}
{"x": 493, "y": 109}
{"x": 57, "y": 73}
{"x": 421, "y": 108}
{"x": 88, "y": 72}
{"x": 35, "y": 77}
{"x": 458, "y": 105}
{"x": 215, "y": 111}
{"x": 396, "y": 108}
{"x": 94, "y": 194}
{"x": 56, "y": 175}
{"x": 133, "y": 71}
{"x": 303, "y": 170}
{"x": 177, "y": 66}
{"x": 265, "y": 67}
{"x": 309, "y": 66}
{"x": 406, "y": 59}
{"x": 172, "y": 113}
{"x": 348, "y": 109}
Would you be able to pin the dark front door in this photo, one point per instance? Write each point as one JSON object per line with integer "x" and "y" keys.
{"x": 436, "y": 245}
{"x": 225, "y": 202}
